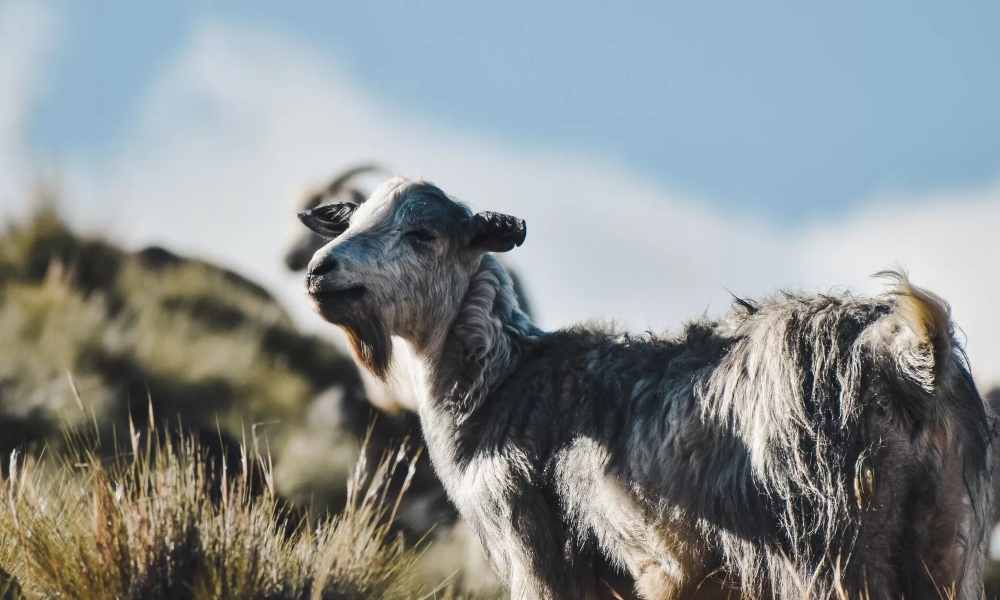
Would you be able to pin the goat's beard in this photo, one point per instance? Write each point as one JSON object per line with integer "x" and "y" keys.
{"x": 371, "y": 343}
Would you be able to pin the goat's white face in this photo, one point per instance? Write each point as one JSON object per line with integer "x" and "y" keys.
{"x": 399, "y": 264}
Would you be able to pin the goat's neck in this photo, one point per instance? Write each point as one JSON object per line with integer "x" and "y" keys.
{"x": 480, "y": 348}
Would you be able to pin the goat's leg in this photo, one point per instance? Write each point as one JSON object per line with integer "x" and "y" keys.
{"x": 527, "y": 547}
{"x": 532, "y": 571}
{"x": 529, "y": 583}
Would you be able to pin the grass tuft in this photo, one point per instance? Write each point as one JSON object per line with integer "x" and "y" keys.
{"x": 154, "y": 522}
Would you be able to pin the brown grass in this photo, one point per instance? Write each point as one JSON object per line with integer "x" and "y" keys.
{"x": 153, "y": 522}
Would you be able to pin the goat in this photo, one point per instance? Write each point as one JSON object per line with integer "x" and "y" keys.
{"x": 802, "y": 446}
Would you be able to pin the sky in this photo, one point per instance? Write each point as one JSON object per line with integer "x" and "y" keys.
{"x": 663, "y": 154}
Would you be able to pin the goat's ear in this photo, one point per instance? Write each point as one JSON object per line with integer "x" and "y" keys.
{"x": 329, "y": 220}
{"x": 494, "y": 232}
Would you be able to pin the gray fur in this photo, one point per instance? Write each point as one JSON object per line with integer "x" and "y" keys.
{"x": 803, "y": 446}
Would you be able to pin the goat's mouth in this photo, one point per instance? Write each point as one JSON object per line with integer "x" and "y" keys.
{"x": 328, "y": 296}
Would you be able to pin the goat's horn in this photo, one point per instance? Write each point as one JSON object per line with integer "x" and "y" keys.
{"x": 331, "y": 189}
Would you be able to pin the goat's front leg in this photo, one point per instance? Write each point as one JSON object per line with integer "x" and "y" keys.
{"x": 545, "y": 573}
{"x": 526, "y": 555}
{"x": 524, "y": 540}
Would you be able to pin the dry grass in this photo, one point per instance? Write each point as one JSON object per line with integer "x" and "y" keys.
{"x": 154, "y": 522}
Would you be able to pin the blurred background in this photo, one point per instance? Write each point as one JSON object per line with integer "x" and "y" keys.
{"x": 665, "y": 155}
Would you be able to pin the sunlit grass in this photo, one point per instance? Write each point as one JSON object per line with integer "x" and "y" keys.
{"x": 155, "y": 522}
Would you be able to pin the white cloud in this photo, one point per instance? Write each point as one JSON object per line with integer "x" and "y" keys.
{"x": 27, "y": 37}
{"x": 244, "y": 118}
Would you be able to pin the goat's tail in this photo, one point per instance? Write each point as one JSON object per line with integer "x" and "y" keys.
{"x": 923, "y": 331}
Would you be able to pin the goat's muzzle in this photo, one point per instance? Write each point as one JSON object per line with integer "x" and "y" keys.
{"x": 335, "y": 304}
{"x": 330, "y": 296}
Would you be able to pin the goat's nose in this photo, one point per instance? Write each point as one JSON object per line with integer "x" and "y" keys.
{"x": 327, "y": 265}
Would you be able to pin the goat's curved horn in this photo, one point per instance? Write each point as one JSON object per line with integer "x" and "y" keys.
{"x": 357, "y": 196}
{"x": 329, "y": 220}
{"x": 338, "y": 182}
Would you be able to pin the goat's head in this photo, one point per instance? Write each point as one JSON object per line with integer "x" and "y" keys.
{"x": 399, "y": 264}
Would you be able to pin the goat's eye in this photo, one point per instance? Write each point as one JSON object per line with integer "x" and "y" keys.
{"x": 421, "y": 235}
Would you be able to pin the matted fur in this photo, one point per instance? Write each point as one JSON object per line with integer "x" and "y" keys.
{"x": 801, "y": 445}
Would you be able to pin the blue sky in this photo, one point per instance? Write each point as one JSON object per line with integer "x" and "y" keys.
{"x": 787, "y": 111}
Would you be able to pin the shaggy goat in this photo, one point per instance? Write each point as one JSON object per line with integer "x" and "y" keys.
{"x": 802, "y": 446}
